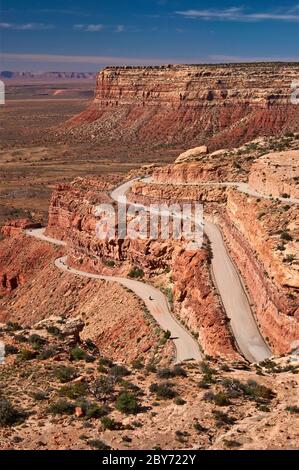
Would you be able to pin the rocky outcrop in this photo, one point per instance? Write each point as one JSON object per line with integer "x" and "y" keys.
{"x": 277, "y": 174}
{"x": 16, "y": 227}
{"x": 192, "y": 154}
{"x": 157, "y": 193}
{"x": 198, "y": 305}
{"x": 20, "y": 260}
{"x": 222, "y": 105}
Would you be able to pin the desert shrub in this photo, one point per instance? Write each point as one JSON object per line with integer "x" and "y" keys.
{"x": 102, "y": 387}
{"x": 13, "y": 326}
{"x": 27, "y": 355}
{"x": 92, "y": 409}
{"x": 163, "y": 390}
{"x": 104, "y": 361}
{"x": 223, "y": 419}
{"x": 220, "y": 398}
{"x": 109, "y": 423}
{"x": 127, "y": 385}
{"x": 65, "y": 373}
{"x": 39, "y": 395}
{"x": 136, "y": 272}
{"x": 21, "y": 338}
{"x": 109, "y": 263}
{"x": 90, "y": 345}
{"x": 167, "y": 334}
{"x": 10, "y": 349}
{"x": 167, "y": 373}
{"x": 251, "y": 389}
{"x": 36, "y": 341}
{"x": 268, "y": 364}
{"x": 281, "y": 247}
{"x": 233, "y": 387}
{"x": 257, "y": 391}
{"x": 293, "y": 409}
{"x": 179, "y": 401}
{"x": 78, "y": 354}
{"x": 231, "y": 444}
{"x": 225, "y": 368}
{"x": 198, "y": 427}
{"x": 119, "y": 371}
{"x": 9, "y": 415}
{"x": 289, "y": 258}
{"x": 208, "y": 375}
{"x": 98, "y": 445}
{"x": 138, "y": 363}
{"x": 54, "y": 330}
{"x": 179, "y": 371}
{"x": 286, "y": 236}
{"x": 46, "y": 353}
{"x": 285, "y": 195}
{"x": 263, "y": 408}
{"x": 61, "y": 407}
{"x": 74, "y": 391}
{"x": 151, "y": 367}
{"x": 127, "y": 403}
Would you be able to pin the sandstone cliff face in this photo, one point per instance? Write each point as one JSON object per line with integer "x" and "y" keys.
{"x": 171, "y": 193}
{"x": 16, "y": 227}
{"x": 271, "y": 281}
{"x": 215, "y": 104}
{"x": 20, "y": 260}
{"x": 277, "y": 174}
{"x": 198, "y": 305}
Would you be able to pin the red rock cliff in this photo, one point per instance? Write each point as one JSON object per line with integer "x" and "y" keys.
{"x": 216, "y": 104}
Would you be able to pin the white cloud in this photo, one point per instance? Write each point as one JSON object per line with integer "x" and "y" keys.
{"x": 90, "y": 28}
{"x": 26, "y": 26}
{"x": 240, "y": 14}
{"x": 120, "y": 28}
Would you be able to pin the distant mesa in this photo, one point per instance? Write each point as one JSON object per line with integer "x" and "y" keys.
{"x": 220, "y": 105}
{"x": 7, "y": 74}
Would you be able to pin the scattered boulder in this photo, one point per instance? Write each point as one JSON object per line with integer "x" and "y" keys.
{"x": 70, "y": 327}
{"x": 192, "y": 154}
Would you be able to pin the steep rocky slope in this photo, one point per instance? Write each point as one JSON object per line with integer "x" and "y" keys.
{"x": 218, "y": 104}
{"x": 32, "y": 289}
{"x": 70, "y": 396}
{"x": 277, "y": 174}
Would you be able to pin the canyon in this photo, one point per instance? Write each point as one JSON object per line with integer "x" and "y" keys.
{"x": 229, "y": 140}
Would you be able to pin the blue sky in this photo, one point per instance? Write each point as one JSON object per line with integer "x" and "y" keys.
{"x": 87, "y": 35}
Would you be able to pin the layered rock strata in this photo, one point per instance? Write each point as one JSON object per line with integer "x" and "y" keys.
{"x": 196, "y": 302}
{"x": 222, "y": 105}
